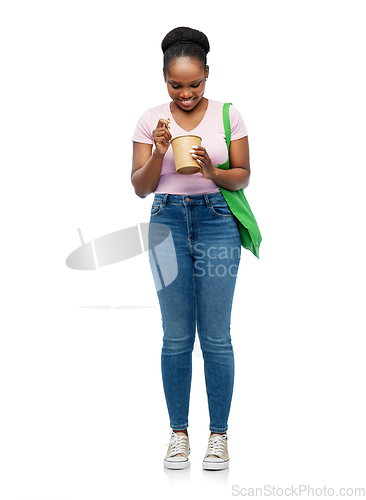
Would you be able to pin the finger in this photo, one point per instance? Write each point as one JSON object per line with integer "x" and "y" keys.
{"x": 166, "y": 135}
{"x": 159, "y": 132}
{"x": 162, "y": 139}
{"x": 199, "y": 149}
{"x": 163, "y": 123}
{"x": 162, "y": 133}
{"x": 198, "y": 154}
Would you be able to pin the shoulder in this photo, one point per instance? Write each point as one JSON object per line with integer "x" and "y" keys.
{"x": 147, "y": 123}
{"x": 218, "y": 105}
{"x": 235, "y": 116}
{"x": 215, "y": 106}
{"x": 237, "y": 125}
{"x": 238, "y": 128}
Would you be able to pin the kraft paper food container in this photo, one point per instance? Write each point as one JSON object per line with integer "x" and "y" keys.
{"x": 184, "y": 163}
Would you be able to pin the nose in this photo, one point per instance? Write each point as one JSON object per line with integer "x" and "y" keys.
{"x": 185, "y": 94}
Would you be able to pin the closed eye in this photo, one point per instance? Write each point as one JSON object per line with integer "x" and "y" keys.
{"x": 195, "y": 86}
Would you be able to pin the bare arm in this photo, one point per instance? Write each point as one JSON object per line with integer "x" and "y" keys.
{"x": 146, "y": 164}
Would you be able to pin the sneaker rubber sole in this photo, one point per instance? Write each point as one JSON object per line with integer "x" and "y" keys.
{"x": 182, "y": 464}
{"x": 215, "y": 465}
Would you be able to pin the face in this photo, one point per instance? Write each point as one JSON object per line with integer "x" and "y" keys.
{"x": 185, "y": 81}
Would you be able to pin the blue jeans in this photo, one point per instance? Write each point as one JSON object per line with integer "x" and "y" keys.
{"x": 206, "y": 251}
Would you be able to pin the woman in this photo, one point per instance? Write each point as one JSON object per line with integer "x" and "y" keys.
{"x": 206, "y": 238}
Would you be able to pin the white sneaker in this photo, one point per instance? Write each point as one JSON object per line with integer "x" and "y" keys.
{"x": 217, "y": 456}
{"x": 178, "y": 451}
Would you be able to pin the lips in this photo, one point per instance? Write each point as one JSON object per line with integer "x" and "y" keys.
{"x": 187, "y": 102}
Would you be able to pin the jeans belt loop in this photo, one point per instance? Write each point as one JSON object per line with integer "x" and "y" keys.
{"x": 207, "y": 200}
{"x": 165, "y": 199}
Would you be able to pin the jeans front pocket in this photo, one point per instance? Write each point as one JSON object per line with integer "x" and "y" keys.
{"x": 221, "y": 208}
{"x": 156, "y": 209}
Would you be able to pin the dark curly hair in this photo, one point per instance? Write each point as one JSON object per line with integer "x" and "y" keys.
{"x": 185, "y": 42}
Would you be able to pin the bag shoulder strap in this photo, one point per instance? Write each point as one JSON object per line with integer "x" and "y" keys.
{"x": 227, "y": 126}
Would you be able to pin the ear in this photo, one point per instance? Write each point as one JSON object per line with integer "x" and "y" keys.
{"x": 207, "y": 71}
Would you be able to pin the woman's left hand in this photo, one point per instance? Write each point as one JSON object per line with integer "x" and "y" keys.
{"x": 200, "y": 154}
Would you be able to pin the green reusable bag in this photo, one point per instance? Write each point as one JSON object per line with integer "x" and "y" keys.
{"x": 249, "y": 231}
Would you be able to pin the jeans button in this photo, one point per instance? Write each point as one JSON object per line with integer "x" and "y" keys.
{"x": 186, "y": 200}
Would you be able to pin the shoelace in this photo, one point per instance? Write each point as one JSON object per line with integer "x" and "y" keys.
{"x": 178, "y": 445}
{"x": 216, "y": 445}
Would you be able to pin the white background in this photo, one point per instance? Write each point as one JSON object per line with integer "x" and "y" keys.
{"x": 82, "y": 408}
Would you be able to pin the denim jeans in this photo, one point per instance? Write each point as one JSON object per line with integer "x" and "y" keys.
{"x": 206, "y": 251}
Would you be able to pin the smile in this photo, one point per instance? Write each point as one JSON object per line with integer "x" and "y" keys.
{"x": 187, "y": 102}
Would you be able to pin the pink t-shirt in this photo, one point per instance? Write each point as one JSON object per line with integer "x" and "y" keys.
{"x": 210, "y": 129}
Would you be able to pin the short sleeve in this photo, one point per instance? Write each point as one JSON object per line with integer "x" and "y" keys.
{"x": 238, "y": 128}
{"x": 143, "y": 131}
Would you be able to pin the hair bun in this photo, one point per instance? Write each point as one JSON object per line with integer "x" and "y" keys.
{"x": 185, "y": 35}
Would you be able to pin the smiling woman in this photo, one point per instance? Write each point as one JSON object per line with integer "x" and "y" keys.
{"x": 206, "y": 237}
{"x": 185, "y": 68}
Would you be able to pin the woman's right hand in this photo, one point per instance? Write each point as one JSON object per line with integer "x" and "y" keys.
{"x": 162, "y": 136}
